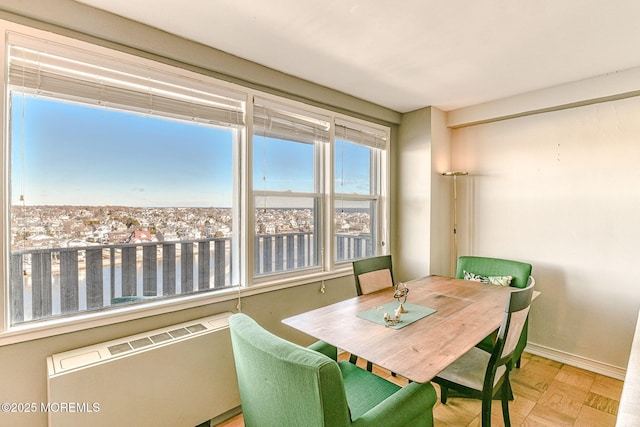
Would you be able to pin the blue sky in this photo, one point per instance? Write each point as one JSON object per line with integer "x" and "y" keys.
{"x": 71, "y": 154}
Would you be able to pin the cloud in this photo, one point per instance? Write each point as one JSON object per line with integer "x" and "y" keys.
{"x": 137, "y": 190}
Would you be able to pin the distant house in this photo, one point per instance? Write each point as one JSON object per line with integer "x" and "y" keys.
{"x": 140, "y": 236}
{"x": 40, "y": 241}
{"x": 75, "y": 243}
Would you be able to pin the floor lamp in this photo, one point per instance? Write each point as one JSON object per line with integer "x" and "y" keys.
{"x": 455, "y": 175}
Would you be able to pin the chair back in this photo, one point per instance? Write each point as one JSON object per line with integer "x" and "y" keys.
{"x": 483, "y": 266}
{"x": 284, "y": 384}
{"x": 515, "y": 318}
{"x": 373, "y": 274}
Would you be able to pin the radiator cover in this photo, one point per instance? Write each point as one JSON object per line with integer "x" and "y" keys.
{"x": 181, "y": 375}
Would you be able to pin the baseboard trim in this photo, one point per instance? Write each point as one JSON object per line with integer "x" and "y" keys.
{"x": 224, "y": 417}
{"x": 577, "y": 361}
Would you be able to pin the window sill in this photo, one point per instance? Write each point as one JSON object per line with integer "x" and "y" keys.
{"x": 53, "y": 327}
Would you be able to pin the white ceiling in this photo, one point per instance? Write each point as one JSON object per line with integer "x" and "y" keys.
{"x": 409, "y": 54}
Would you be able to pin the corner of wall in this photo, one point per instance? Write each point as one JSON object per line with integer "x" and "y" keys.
{"x": 422, "y": 196}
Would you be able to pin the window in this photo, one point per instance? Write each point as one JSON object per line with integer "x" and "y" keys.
{"x": 359, "y": 216}
{"x": 122, "y": 182}
{"x": 132, "y": 181}
{"x": 287, "y": 164}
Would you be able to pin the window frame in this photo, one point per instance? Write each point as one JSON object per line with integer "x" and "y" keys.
{"x": 48, "y": 73}
{"x": 317, "y": 195}
{"x": 376, "y": 139}
{"x": 243, "y": 194}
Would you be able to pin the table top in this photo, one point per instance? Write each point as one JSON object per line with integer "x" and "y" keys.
{"x": 466, "y": 313}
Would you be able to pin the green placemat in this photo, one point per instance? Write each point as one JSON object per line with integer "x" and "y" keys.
{"x": 415, "y": 312}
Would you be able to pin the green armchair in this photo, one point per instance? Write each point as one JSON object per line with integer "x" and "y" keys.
{"x": 283, "y": 384}
{"x": 494, "y": 267}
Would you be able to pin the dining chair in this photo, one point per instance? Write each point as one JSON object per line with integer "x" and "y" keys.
{"x": 484, "y": 375}
{"x": 501, "y": 272}
{"x": 282, "y": 384}
{"x": 371, "y": 275}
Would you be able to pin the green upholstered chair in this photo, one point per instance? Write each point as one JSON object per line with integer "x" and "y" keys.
{"x": 496, "y": 267}
{"x": 282, "y": 384}
{"x": 484, "y": 375}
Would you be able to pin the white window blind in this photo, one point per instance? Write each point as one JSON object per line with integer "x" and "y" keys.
{"x": 47, "y": 69}
{"x": 361, "y": 134}
{"x": 278, "y": 121}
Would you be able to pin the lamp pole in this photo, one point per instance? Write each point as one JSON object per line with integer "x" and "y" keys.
{"x": 455, "y": 175}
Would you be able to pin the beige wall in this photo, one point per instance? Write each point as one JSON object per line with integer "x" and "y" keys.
{"x": 412, "y": 185}
{"x": 73, "y": 19}
{"x": 441, "y": 259}
{"x": 557, "y": 189}
{"x": 560, "y": 190}
{"x": 23, "y": 365}
{"x": 422, "y": 238}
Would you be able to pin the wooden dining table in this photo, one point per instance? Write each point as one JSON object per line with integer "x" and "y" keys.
{"x": 466, "y": 313}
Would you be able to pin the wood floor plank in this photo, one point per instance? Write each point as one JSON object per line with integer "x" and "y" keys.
{"x": 607, "y": 387}
{"x": 545, "y": 416}
{"x": 590, "y": 417}
{"x": 564, "y": 398}
{"x": 547, "y": 394}
{"x": 601, "y": 403}
{"x": 576, "y": 377}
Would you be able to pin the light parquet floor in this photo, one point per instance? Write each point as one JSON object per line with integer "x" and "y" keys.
{"x": 546, "y": 394}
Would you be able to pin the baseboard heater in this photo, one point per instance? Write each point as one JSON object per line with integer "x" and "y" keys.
{"x": 181, "y": 375}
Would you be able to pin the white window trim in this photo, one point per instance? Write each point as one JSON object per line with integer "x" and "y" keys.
{"x": 382, "y": 176}
{"x": 311, "y": 114}
{"x": 244, "y": 196}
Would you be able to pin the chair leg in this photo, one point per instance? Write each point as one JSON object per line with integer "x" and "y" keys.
{"x": 506, "y": 392}
{"x": 486, "y": 409}
{"x": 444, "y": 392}
{"x": 354, "y": 359}
{"x": 510, "y": 393}
{"x": 518, "y": 362}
